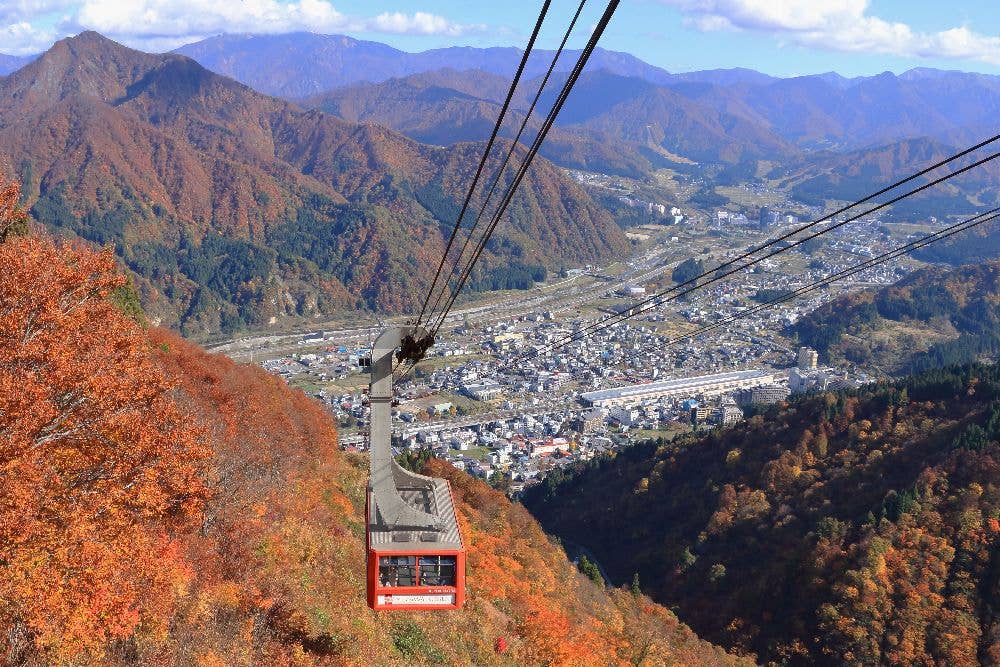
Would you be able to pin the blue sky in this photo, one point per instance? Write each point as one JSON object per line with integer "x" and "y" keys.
{"x": 781, "y": 37}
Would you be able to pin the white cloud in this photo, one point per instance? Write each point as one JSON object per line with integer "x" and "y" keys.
{"x": 20, "y": 31}
{"x": 21, "y": 38}
{"x": 165, "y": 24}
{"x": 840, "y": 25}
{"x": 14, "y": 11}
{"x": 709, "y": 22}
{"x": 420, "y": 23}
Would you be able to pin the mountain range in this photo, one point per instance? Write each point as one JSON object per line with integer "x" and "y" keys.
{"x": 232, "y": 207}
{"x": 822, "y": 109}
{"x": 302, "y": 64}
{"x": 804, "y": 120}
{"x": 629, "y": 118}
{"x": 820, "y": 137}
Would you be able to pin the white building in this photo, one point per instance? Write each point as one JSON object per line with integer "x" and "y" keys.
{"x": 730, "y": 415}
{"x": 703, "y": 385}
{"x": 816, "y": 379}
{"x": 632, "y": 290}
{"x": 483, "y": 391}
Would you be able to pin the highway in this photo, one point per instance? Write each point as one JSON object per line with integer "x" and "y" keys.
{"x": 559, "y": 296}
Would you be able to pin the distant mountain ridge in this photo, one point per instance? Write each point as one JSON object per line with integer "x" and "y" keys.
{"x": 809, "y": 111}
{"x": 728, "y": 116}
{"x": 445, "y": 106}
{"x": 302, "y": 64}
{"x": 819, "y": 144}
{"x": 10, "y": 63}
{"x": 818, "y": 176}
{"x": 233, "y": 208}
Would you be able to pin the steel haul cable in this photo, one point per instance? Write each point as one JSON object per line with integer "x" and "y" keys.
{"x": 532, "y": 151}
{"x": 829, "y": 216}
{"x": 510, "y": 153}
{"x": 850, "y": 271}
{"x": 486, "y": 152}
{"x": 949, "y": 231}
{"x": 658, "y": 299}
{"x": 957, "y": 228}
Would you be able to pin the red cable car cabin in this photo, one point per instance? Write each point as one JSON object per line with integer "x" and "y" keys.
{"x": 415, "y": 555}
{"x": 416, "y": 569}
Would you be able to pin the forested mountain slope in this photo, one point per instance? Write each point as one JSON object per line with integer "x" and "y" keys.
{"x": 611, "y": 123}
{"x": 811, "y": 111}
{"x": 933, "y": 317}
{"x": 816, "y": 177}
{"x": 165, "y": 506}
{"x": 445, "y": 106}
{"x": 631, "y": 126}
{"x": 233, "y": 208}
{"x": 843, "y": 528}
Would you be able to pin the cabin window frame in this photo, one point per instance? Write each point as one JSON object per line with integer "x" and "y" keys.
{"x": 442, "y": 568}
{"x": 439, "y": 564}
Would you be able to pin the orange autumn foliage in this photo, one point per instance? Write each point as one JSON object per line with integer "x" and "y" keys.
{"x": 99, "y": 468}
{"x": 281, "y": 560}
{"x": 13, "y": 219}
{"x": 163, "y": 505}
{"x": 522, "y": 585}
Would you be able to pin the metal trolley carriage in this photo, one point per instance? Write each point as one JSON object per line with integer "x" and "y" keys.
{"x": 415, "y": 555}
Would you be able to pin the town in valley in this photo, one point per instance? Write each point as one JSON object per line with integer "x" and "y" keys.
{"x": 512, "y": 390}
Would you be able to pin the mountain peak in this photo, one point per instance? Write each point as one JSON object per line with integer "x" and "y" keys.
{"x": 92, "y": 42}
{"x": 87, "y": 64}
{"x": 90, "y": 36}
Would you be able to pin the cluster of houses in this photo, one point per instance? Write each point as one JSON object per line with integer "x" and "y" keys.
{"x": 536, "y": 406}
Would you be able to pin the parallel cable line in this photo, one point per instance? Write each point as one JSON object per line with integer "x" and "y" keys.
{"x": 957, "y": 228}
{"x": 532, "y": 151}
{"x": 831, "y": 215}
{"x": 486, "y": 152}
{"x": 951, "y": 230}
{"x": 510, "y": 153}
{"x": 658, "y": 298}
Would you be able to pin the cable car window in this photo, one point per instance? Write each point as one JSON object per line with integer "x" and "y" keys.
{"x": 397, "y": 570}
{"x": 437, "y": 570}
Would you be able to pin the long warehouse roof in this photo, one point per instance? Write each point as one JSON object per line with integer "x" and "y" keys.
{"x": 679, "y": 384}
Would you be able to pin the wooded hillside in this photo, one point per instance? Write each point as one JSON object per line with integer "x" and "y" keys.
{"x": 232, "y": 208}
{"x": 933, "y": 317}
{"x": 161, "y": 505}
{"x": 844, "y": 528}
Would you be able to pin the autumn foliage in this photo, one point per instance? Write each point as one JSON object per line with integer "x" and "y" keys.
{"x": 281, "y": 560}
{"x": 100, "y": 469}
{"x": 850, "y": 528}
{"x": 161, "y": 505}
{"x": 13, "y": 219}
{"x": 522, "y": 588}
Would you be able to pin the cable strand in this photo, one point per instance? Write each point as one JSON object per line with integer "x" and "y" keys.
{"x": 503, "y": 167}
{"x": 845, "y": 273}
{"x": 656, "y": 298}
{"x": 486, "y": 152}
{"x": 532, "y": 151}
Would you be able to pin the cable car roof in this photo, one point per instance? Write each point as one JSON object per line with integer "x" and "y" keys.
{"x": 383, "y": 538}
